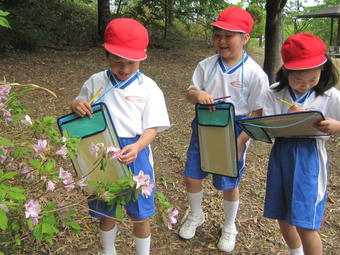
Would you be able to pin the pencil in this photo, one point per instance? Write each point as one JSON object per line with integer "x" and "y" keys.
{"x": 95, "y": 95}
{"x": 285, "y": 102}
{"x": 219, "y": 98}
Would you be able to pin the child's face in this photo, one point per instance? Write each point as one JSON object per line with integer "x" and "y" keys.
{"x": 229, "y": 44}
{"x": 302, "y": 81}
{"x": 122, "y": 68}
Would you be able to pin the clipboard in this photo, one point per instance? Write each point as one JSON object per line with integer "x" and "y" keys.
{"x": 217, "y": 139}
{"x": 289, "y": 125}
{"x": 98, "y": 129}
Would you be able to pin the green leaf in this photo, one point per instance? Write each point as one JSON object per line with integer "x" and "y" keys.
{"x": 3, "y": 13}
{"x": 8, "y": 176}
{"x": 74, "y": 225}
{"x": 4, "y": 141}
{"x": 16, "y": 195}
{"x": 21, "y": 152}
{"x": 49, "y": 120}
{"x": 3, "y": 220}
{"x": 119, "y": 212}
{"x": 35, "y": 163}
{"x": 15, "y": 225}
{"x": 48, "y": 229}
{"x": 50, "y": 206}
{"x": 37, "y": 232}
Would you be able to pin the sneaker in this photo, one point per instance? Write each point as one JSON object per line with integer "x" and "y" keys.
{"x": 188, "y": 229}
{"x": 227, "y": 241}
{"x": 108, "y": 253}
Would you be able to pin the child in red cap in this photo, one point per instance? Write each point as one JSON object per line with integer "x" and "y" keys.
{"x": 138, "y": 110}
{"x": 230, "y": 72}
{"x": 296, "y": 191}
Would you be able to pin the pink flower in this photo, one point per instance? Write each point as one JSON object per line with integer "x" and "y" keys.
{"x": 147, "y": 189}
{"x": 141, "y": 179}
{"x": 81, "y": 183}
{"x": 40, "y": 146}
{"x": 67, "y": 179}
{"x": 113, "y": 151}
{"x": 4, "y": 91}
{"x": 4, "y": 155}
{"x": 172, "y": 214}
{"x": 94, "y": 149}
{"x": 50, "y": 186}
{"x": 27, "y": 120}
{"x": 32, "y": 210}
{"x": 62, "y": 151}
{"x": 28, "y": 172}
{"x": 7, "y": 115}
{"x": 62, "y": 204}
{"x": 64, "y": 139}
{"x": 4, "y": 207}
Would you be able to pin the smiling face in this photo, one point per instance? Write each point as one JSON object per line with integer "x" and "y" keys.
{"x": 121, "y": 67}
{"x": 229, "y": 45}
{"x": 302, "y": 81}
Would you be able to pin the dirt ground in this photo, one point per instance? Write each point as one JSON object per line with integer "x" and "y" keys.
{"x": 65, "y": 71}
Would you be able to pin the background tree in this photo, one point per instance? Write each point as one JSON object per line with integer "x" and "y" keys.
{"x": 256, "y": 8}
{"x": 273, "y": 35}
{"x": 103, "y": 16}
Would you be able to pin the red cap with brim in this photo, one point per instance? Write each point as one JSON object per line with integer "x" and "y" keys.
{"x": 126, "y": 38}
{"x": 235, "y": 19}
{"x": 303, "y": 51}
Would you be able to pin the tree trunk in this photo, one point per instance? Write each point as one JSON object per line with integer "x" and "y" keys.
{"x": 274, "y": 38}
{"x": 168, "y": 17}
{"x": 119, "y": 8}
{"x": 103, "y": 17}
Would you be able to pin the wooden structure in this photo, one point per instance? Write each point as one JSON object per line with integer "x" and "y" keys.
{"x": 334, "y": 14}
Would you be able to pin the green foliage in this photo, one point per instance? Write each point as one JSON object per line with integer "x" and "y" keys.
{"x": 34, "y": 187}
{"x": 3, "y": 21}
{"x": 50, "y": 23}
{"x": 317, "y": 26}
{"x": 18, "y": 186}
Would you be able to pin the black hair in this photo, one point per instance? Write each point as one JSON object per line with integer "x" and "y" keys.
{"x": 218, "y": 28}
{"x": 329, "y": 77}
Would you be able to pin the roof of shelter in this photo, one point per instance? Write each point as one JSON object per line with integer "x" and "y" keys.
{"x": 326, "y": 12}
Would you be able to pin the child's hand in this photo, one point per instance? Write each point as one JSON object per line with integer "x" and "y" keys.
{"x": 81, "y": 108}
{"x": 241, "y": 141}
{"x": 129, "y": 153}
{"x": 296, "y": 108}
{"x": 329, "y": 125}
{"x": 204, "y": 98}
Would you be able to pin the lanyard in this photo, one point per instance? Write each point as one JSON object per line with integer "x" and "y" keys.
{"x": 117, "y": 84}
{"x": 228, "y": 70}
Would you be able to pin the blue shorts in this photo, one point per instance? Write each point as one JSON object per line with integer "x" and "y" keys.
{"x": 193, "y": 162}
{"x": 141, "y": 208}
{"x": 293, "y": 190}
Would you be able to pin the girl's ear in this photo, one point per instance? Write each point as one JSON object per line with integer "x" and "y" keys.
{"x": 245, "y": 38}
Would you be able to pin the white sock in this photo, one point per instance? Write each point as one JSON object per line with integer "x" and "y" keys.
{"x": 195, "y": 202}
{"x": 107, "y": 240}
{"x": 230, "y": 213}
{"x": 296, "y": 251}
{"x": 143, "y": 245}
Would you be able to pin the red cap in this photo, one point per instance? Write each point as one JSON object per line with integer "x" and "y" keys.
{"x": 235, "y": 19}
{"x": 303, "y": 51}
{"x": 126, "y": 38}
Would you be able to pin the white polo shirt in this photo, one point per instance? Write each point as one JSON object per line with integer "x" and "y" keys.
{"x": 137, "y": 107}
{"x": 245, "y": 82}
